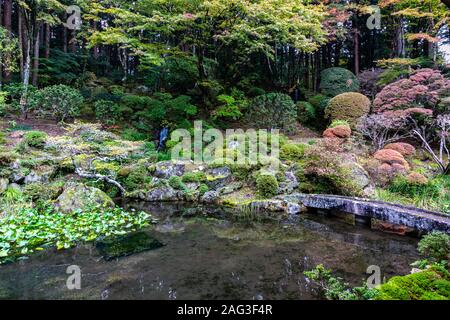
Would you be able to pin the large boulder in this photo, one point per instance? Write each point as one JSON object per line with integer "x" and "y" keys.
{"x": 218, "y": 177}
{"x": 3, "y": 185}
{"x": 210, "y": 197}
{"x": 360, "y": 178}
{"x": 167, "y": 169}
{"x": 164, "y": 194}
{"x": 79, "y": 196}
{"x": 289, "y": 184}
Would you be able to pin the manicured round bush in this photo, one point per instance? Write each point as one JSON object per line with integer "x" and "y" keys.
{"x": 267, "y": 186}
{"x": 35, "y": 139}
{"x": 306, "y": 112}
{"x": 335, "y": 81}
{"x": 60, "y": 101}
{"x": 348, "y": 106}
{"x": 272, "y": 111}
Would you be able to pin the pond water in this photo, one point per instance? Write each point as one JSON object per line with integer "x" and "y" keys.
{"x": 209, "y": 253}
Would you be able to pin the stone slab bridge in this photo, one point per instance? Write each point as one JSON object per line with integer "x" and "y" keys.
{"x": 418, "y": 219}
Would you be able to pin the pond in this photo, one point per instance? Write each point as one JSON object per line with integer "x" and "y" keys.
{"x": 211, "y": 253}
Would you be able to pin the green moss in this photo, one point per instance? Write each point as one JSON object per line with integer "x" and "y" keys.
{"x": 203, "y": 189}
{"x": 292, "y": 152}
{"x": 430, "y": 284}
{"x": 194, "y": 177}
{"x": 106, "y": 168}
{"x": 43, "y": 192}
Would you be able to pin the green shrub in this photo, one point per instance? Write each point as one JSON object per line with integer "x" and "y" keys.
{"x": 348, "y": 106}
{"x": 60, "y": 101}
{"x": 306, "y": 113}
{"x": 230, "y": 106}
{"x": 14, "y": 94}
{"x": 136, "y": 179}
{"x": 272, "y": 111}
{"x": 194, "y": 177}
{"x": 293, "y": 152}
{"x": 176, "y": 183}
{"x": 107, "y": 111}
{"x": 335, "y": 81}
{"x": 435, "y": 246}
{"x": 35, "y": 139}
{"x": 267, "y": 186}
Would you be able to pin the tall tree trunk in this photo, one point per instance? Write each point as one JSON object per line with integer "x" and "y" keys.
{"x": 47, "y": 40}
{"x": 36, "y": 58}
{"x": 7, "y": 22}
{"x": 73, "y": 42}
{"x": 26, "y": 75}
{"x": 95, "y": 49}
{"x": 21, "y": 43}
{"x": 356, "y": 50}
{"x": 1, "y": 24}
{"x": 64, "y": 36}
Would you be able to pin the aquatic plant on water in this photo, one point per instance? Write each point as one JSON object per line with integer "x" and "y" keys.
{"x": 34, "y": 229}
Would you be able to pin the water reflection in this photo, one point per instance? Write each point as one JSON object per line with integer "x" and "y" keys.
{"x": 208, "y": 253}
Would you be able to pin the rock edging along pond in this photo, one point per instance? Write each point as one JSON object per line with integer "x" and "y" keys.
{"x": 411, "y": 217}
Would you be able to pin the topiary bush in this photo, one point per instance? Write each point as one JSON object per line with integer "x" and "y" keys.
{"x": 272, "y": 111}
{"x": 35, "y": 139}
{"x": 59, "y": 101}
{"x": 335, "y": 81}
{"x": 267, "y": 185}
{"x": 348, "y": 106}
{"x": 306, "y": 113}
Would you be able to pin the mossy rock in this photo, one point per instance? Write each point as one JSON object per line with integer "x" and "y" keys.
{"x": 81, "y": 197}
{"x": 126, "y": 245}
